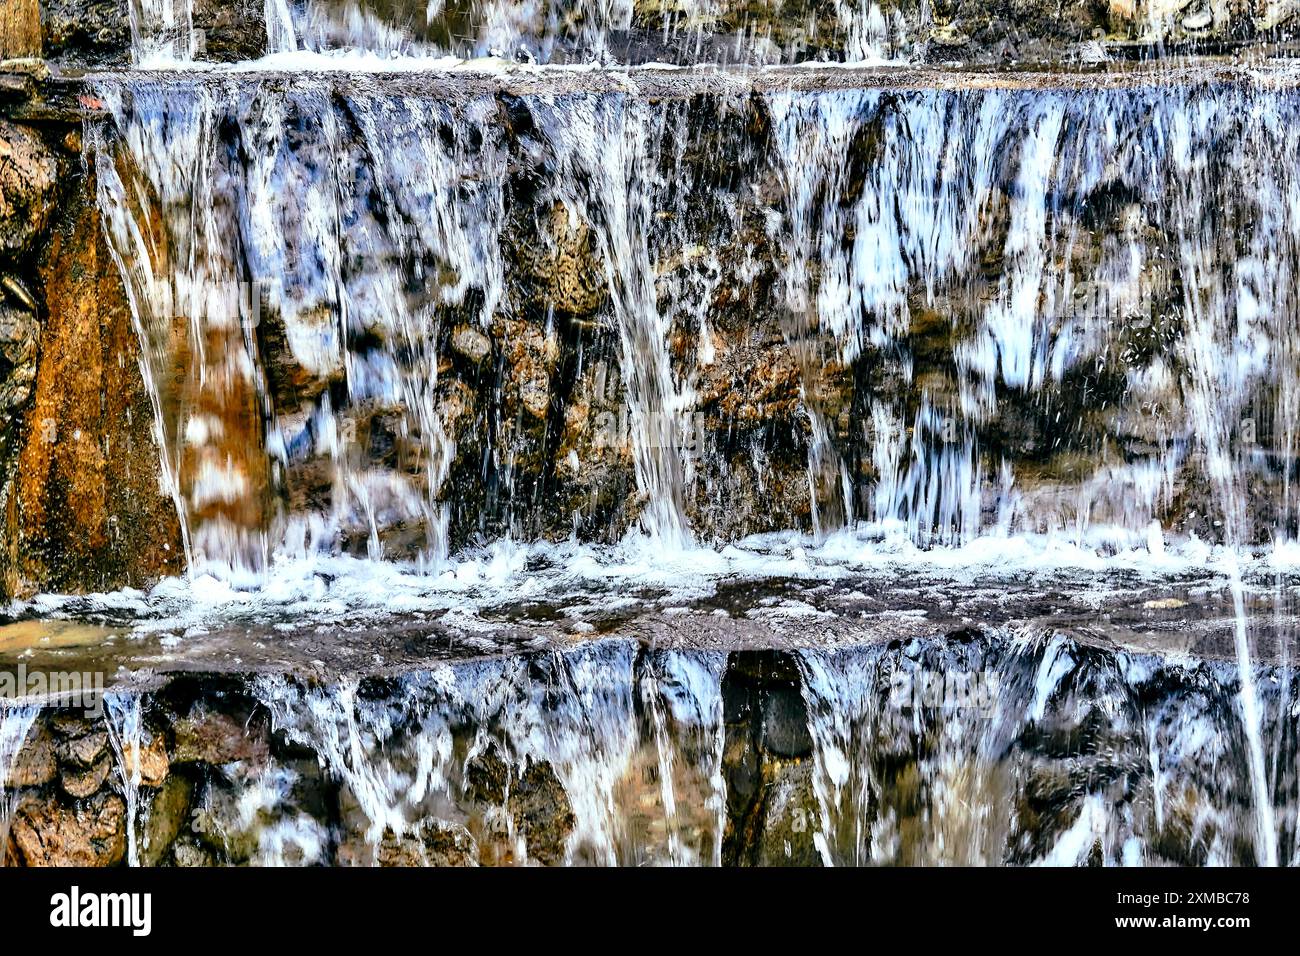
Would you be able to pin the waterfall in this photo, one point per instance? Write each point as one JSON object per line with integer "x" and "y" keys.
{"x": 959, "y": 719}
{"x": 162, "y": 31}
{"x": 522, "y": 734}
{"x": 16, "y": 721}
{"x": 1070, "y": 391}
{"x": 583, "y": 30}
{"x": 524, "y": 355}
{"x": 281, "y": 36}
{"x": 125, "y": 735}
{"x": 1025, "y": 746}
{"x": 611, "y": 147}
{"x": 345, "y": 247}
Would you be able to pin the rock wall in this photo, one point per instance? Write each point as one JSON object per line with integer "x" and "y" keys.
{"x": 955, "y": 749}
{"x": 97, "y": 32}
{"x": 20, "y": 29}
{"x": 82, "y": 502}
{"x": 893, "y": 393}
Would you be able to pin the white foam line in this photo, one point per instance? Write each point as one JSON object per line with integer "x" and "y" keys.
{"x": 507, "y": 572}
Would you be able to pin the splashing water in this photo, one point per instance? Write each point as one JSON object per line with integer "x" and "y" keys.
{"x": 581, "y": 30}
{"x": 125, "y": 736}
{"x": 16, "y": 721}
{"x": 565, "y": 724}
{"x": 893, "y": 242}
{"x": 1056, "y": 307}
{"x": 162, "y": 32}
{"x": 226, "y": 440}
{"x": 1033, "y": 747}
{"x": 604, "y": 145}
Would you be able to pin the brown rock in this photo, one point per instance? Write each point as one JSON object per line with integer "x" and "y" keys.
{"x": 165, "y": 818}
{"x": 187, "y": 852}
{"x": 91, "y": 31}
{"x": 216, "y": 738}
{"x": 295, "y": 379}
{"x": 471, "y": 343}
{"x": 232, "y": 30}
{"x": 87, "y": 510}
{"x": 37, "y": 763}
{"x": 529, "y": 361}
{"x": 565, "y": 267}
{"x": 19, "y": 340}
{"x": 150, "y": 760}
{"x": 67, "y": 723}
{"x": 536, "y": 801}
{"x": 28, "y": 174}
{"x": 92, "y": 833}
{"x": 80, "y": 784}
{"x": 542, "y": 813}
{"x": 433, "y": 843}
{"x": 84, "y": 750}
{"x": 456, "y": 405}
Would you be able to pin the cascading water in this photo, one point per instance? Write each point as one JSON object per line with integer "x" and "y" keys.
{"x": 700, "y": 466}
{"x": 579, "y": 30}
{"x": 125, "y": 737}
{"x": 1094, "y": 334}
{"x": 980, "y": 778}
{"x": 611, "y": 146}
{"x": 522, "y": 734}
{"x": 353, "y": 245}
{"x": 162, "y": 31}
{"x": 16, "y": 722}
{"x": 1115, "y": 320}
{"x": 1017, "y": 747}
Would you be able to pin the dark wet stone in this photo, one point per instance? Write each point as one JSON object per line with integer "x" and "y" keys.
{"x": 79, "y": 784}
{"x": 167, "y": 815}
{"x": 785, "y": 723}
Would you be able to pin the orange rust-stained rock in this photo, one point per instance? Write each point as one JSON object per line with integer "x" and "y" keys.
{"x": 47, "y": 832}
{"x": 148, "y": 759}
{"x": 87, "y": 509}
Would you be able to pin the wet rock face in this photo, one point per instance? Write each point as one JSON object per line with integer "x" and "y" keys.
{"x": 230, "y": 30}
{"x": 85, "y": 505}
{"x": 972, "y": 31}
{"x": 19, "y": 339}
{"x": 767, "y": 763}
{"x": 28, "y": 175}
{"x": 953, "y": 749}
{"x": 92, "y": 833}
{"x": 29, "y": 194}
{"x": 79, "y": 472}
{"x": 747, "y": 307}
{"x": 87, "y": 32}
{"x": 750, "y": 309}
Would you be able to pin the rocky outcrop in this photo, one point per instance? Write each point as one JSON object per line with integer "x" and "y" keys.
{"x": 29, "y": 172}
{"x": 83, "y": 506}
{"x": 767, "y": 763}
{"x": 20, "y": 29}
{"x": 28, "y": 175}
{"x": 952, "y": 748}
{"x": 87, "y": 32}
{"x": 97, "y": 32}
{"x": 788, "y": 416}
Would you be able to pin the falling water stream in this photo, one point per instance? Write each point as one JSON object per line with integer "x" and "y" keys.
{"x": 15, "y": 723}
{"x": 1019, "y": 316}
{"x": 364, "y": 218}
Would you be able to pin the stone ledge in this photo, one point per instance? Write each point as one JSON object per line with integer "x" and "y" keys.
{"x": 204, "y": 769}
